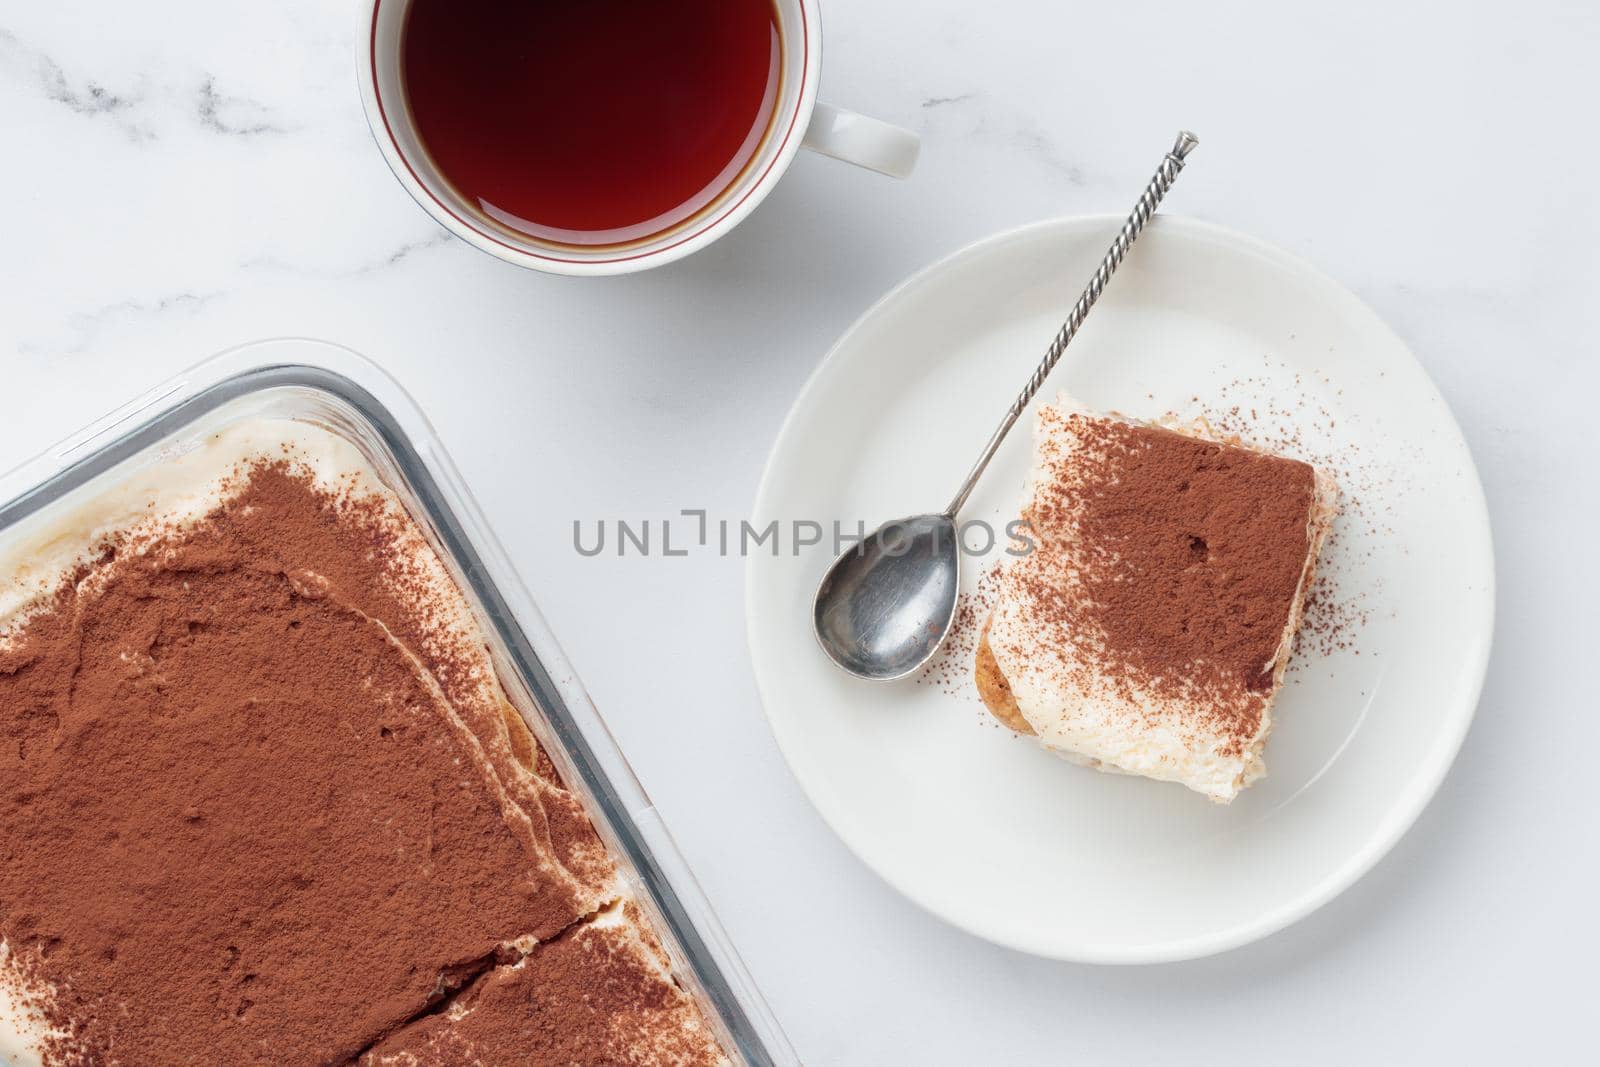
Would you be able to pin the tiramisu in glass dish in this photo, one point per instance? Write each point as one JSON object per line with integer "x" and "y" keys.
{"x": 1148, "y": 630}
{"x": 270, "y": 790}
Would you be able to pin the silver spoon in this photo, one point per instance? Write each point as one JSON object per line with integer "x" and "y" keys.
{"x": 886, "y": 605}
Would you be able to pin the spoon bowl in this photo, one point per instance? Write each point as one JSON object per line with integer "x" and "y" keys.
{"x": 884, "y": 605}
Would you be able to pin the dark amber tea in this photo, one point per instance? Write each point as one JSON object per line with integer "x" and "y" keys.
{"x": 591, "y": 122}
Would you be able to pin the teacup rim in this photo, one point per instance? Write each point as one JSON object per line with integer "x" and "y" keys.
{"x": 674, "y": 246}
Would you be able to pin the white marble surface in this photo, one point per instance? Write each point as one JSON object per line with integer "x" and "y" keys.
{"x": 181, "y": 177}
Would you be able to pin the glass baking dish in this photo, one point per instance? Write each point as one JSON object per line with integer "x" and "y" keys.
{"x": 339, "y": 390}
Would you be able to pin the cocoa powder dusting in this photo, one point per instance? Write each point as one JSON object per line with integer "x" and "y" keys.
{"x": 1171, "y": 561}
{"x": 254, "y": 805}
{"x": 626, "y": 1015}
{"x": 1288, "y": 411}
{"x": 951, "y": 667}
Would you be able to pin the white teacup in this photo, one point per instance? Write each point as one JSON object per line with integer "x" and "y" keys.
{"x": 800, "y": 121}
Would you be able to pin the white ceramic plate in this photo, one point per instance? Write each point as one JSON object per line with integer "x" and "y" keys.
{"x": 986, "y": 829}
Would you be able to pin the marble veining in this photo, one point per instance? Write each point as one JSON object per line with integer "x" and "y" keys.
{"x": 85, "y": 327}
{"x": 234, "y": 116}
{"x": 80, "y": 96}
{"x": 138, "y": 110}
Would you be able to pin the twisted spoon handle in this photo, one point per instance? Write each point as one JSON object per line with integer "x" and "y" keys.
{"x": 1165, "y": 175}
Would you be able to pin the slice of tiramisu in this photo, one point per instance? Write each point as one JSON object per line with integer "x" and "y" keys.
{"x": 1148, "y": 630}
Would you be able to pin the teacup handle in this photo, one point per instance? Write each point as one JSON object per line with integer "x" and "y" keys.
{"x": 865, "y": 142}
